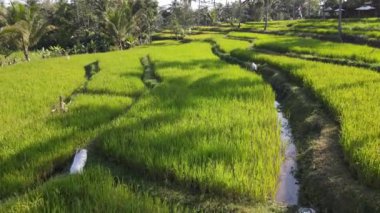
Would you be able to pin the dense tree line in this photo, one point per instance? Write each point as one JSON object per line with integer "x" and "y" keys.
{"x": 80, "y": 26}
{"x": 77, "y": 26}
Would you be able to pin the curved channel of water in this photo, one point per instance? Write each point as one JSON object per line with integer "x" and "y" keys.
{"x": 287, "y": 193}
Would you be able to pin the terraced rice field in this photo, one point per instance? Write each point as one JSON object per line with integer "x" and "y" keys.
{"x": 170, "y": 127}
{"x": 209, "y": 127}
{"x": 314, "y": 47}
{"x": 351, "y": 94}
{"x": 366, "y": 27}
{"x": 203, "y": 126}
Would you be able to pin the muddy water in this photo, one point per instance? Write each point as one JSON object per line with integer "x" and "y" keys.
{"x": 287, "y": 193}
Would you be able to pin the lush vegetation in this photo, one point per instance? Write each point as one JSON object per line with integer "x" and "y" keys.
{"x": 181, "y": 131}
{"x": 34, "y": 140}
{"x": 308, "y": 46}
{"x": 94, "y": 191}
{"x": 351, "y": 94}
{"x": 76, "y": 27}
{"x": 185, "y": 129}
{"x": 369, "y": 27}
{"x": 168, "y": 116}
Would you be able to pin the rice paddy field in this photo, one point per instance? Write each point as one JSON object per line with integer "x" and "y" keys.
{"x": 170, "y": 127}
{"x": 182, "y": 131}
{"x": 365, "y": 27}
{"x": 313, "y": 47}
{"x": 350, "y": 92}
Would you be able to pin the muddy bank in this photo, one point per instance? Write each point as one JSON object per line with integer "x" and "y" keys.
{"x": 326, "y": 182}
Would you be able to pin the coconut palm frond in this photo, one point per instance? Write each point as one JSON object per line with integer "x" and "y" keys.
{"x": 118, "y": 22}
{"x": 37, "y": 33}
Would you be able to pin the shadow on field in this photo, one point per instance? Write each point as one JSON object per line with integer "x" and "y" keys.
{"x": 285, "y": 45}
{"x": 69, "y": 131}
{"x": 202, "y": 63}
{"x": 106, "y": 92}
{"x": 168, "y": 130}
{"x": 130, "y": 75}
{"x": 53, "y": 154}
{"x": 158, "y": 136}
{"x": 357, "y": 84}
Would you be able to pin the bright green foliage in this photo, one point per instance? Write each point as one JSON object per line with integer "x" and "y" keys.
{"x": 208, "y": 125}
{"x": 367, "y": 27}
{"x": 33, "y": 139}
{"x": 226, "y": 44}
{"x": 94, "y": 191}
{"x": 118, "y": 22}
{"x": 26, "y": 26}
{"x": 352, "y": 94}
{"x": 286, "y": 44}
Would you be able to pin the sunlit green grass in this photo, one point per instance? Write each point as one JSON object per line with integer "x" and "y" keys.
{"x": 93, "y": 191}
{"x": 352, "y": 94}
{"x": 34, "y": 140}
{"x": 208, "y": 126}
{"x": 292, "y": 44}
{"x": 367, "y": 27}
{"x": 226, "y": 44}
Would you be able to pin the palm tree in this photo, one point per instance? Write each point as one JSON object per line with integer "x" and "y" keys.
{"x": 27, "y": 27}
{"x": 340, "y": 21}
{"x": 118, "y": 21}
{"x": 266, "y": 8}
{"x": 3, "y": 16}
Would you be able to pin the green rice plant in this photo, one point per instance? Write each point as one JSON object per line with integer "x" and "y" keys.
{"x": 92, "y": 191}
{"x": 227, "y": 45}
{"x": 208, "y": 126}
{"x": 351, "y": 94}
{"x": 34, "y": 141}
{"x": 368, "y": 28}
{"x": 292, "y": 44}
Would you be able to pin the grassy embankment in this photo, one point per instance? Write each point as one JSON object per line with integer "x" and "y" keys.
{"x": 314, "y": 48}
{"x": 368, "y": 28}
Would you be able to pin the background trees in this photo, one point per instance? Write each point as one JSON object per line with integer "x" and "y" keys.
{"x": 26, "y": 26}
{"x": 80, "y": 26}
{"x": 85, "y": 26}
{"x": 118, "y": 23}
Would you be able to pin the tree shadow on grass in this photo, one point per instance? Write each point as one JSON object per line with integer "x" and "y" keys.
{"x": 69, "y": 131}
{"x": 106, "y": 92}
{"x": 139, "y": 139}
{"x": 153, "y": 141}
{"x": 357, "y": 84}
{"x": 201, "y": 63}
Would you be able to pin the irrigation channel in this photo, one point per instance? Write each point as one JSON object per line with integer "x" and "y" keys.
{"x": 288, "y": 186}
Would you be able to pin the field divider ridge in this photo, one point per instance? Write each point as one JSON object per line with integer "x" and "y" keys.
{"x": 326, "y": 181}
{"x": 311, "y": 57}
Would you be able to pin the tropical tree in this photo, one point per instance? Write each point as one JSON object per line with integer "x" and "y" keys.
{"x": 340, "y": 20}
{"x": 3, "y": 16}
{"x": 267, "y": 4}
{"x": 144, "y": 14}
{"x": 118, "y": 23}
{"x": 26, "y": 26}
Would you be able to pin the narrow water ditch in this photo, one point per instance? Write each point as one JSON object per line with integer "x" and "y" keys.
{"x": 288, "y": 188}
{"x": 326, "y": 182}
